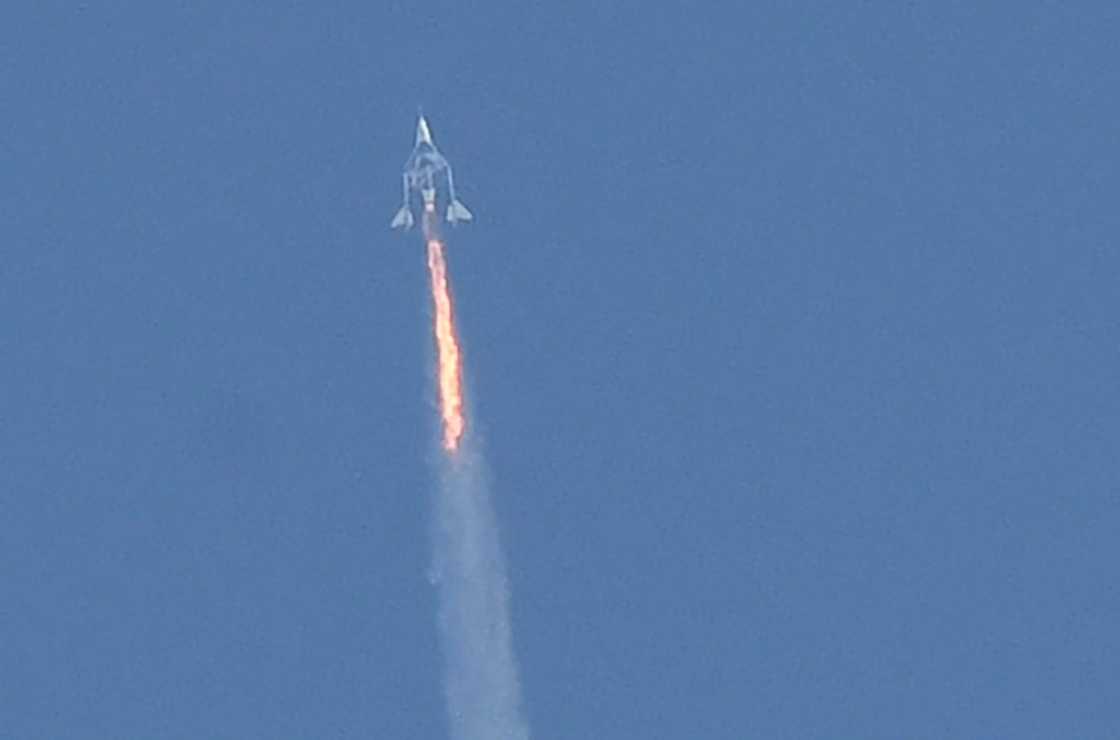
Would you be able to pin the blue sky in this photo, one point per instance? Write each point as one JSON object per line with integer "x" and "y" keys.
{"x": 790, "y": 333}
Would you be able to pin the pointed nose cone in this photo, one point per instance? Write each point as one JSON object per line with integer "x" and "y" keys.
{"x": 423, "y": 135}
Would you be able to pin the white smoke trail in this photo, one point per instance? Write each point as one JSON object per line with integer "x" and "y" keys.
{"x": 482, "y": 689}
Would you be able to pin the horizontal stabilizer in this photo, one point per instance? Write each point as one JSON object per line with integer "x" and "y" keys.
{"x": 458, "y": 212}
{"x": 403, "y": 219}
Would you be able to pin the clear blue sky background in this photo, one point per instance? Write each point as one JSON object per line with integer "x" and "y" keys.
{"x": 791, "y": 333}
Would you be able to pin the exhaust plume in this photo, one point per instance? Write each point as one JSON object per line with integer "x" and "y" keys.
{"x": 481, "y": 686}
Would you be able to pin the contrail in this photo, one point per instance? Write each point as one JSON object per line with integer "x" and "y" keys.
{"x": 482, "y": 690}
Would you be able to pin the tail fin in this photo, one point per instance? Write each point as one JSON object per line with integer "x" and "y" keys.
{"x": 458, "y": 212}
{"x": 403, "y": 219}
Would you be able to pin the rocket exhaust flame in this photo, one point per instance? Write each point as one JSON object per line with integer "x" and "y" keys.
{"x": 450, "y": 374}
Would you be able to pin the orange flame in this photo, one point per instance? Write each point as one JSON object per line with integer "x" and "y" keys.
{"x": 447, "y": 347}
